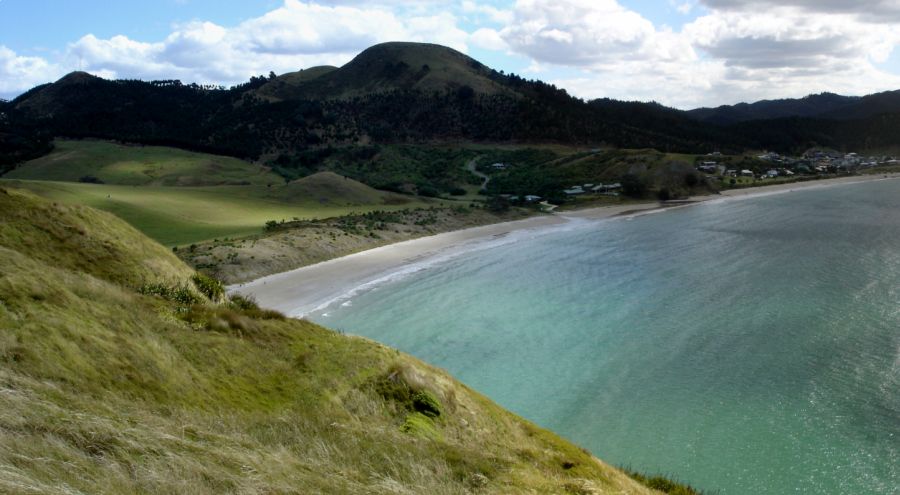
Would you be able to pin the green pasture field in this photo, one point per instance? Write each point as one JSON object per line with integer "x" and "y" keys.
{"x": 133, "y": 165}
{"x": 183, "y": 215}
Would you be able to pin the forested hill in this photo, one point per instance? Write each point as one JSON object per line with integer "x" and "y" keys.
{"x": 828, "y": 106}
{"x": 391, "y": 93}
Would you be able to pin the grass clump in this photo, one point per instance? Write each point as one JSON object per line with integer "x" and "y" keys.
{"x": 248, "y": 306}
{"x": 182, "y": 295}
{"x": 663, "y": 484}
{"x": 424, "y": 402}
{"x": 420, "y": 425}
{"x": 209, "y": 287}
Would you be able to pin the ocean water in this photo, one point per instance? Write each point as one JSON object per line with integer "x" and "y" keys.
{"x": 743, "y": 346}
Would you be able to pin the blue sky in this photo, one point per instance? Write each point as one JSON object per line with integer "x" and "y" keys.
{"x": 683, "y": 53}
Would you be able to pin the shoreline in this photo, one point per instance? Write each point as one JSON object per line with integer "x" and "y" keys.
{"x": 311, "y": 288}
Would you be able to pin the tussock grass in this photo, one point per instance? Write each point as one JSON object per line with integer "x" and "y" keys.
{"x": 107, "y": 390}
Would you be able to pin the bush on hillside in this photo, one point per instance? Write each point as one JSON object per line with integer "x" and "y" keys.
{"x": 208, "y": 286}
{"x": 248, "y": 306}
{"x": 633, "y": 185}
{"x": 180, "y": 294}
{"x": 89, "y": 179}
{"x": 664, "y": 194}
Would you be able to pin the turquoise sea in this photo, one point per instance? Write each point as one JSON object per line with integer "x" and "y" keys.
{"x": 743, "y": 346}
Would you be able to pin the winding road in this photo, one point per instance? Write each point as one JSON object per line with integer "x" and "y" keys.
{"x": 471, "y": 167}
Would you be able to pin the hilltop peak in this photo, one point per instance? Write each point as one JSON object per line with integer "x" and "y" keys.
{"x": 387, "y": 67}
{"x": 77, "y": 77}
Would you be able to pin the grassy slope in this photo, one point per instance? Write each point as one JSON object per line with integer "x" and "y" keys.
{"x": 329, "y": 188}
{"x": 177, "y": 216}
{"x": 109, "y": 391}
{"x": 183, "y": 215}
{"x": 134, "y": 165}
{"x": 286, "y": 84}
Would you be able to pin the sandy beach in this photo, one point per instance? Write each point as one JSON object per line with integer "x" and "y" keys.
{"x": 303, "y": 290}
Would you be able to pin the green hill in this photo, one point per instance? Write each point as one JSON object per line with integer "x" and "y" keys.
{"x": 182, "y": 215}
{"x": 180, "y": 197}
{"x": 329, "y": 188}
{"x": 389, "y": 67}
{"x": 287, "y": 86}
{"x": 133, "y": 165}
{"x": 108, "y": 388}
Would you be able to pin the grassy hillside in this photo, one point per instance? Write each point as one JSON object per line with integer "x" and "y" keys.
{"x": 136, "y": 165}
{"x": 155, "y": 189}
{"x": 106, "y": 390}
{"x": 182, "y": 215}
{"x": 329, "y": 188}
{"x": 287, "y": 85}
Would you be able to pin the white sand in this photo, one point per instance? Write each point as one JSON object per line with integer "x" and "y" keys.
{"x": 306, "y": 289}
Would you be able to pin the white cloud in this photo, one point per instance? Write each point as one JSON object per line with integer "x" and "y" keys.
{"x": 589, "y": 33}
{"x": 492, "y": 13}
{"x": 683, "y": 8}
{"x": 736, "y": 51}
{"x": 489, "y": 39}
{"x": 793, "y": 51}
{"x": 293, "y": 36}
{"x": 19, "y": 73}
{"x": 876, "y": 11}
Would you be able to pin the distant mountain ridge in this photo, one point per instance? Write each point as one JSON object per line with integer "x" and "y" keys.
{"x": 392, "y": 92}
{"x": 824, "y": 105}
{"x": 403, "y": 92}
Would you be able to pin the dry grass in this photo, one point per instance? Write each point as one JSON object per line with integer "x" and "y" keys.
{"x": 105, "y": 390}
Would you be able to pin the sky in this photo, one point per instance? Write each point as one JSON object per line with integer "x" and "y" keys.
{"x": 681, "y": 53}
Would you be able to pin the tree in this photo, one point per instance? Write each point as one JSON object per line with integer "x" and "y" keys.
{"x": 497, "y": 204}
{"x": 633, "y": 185}
{"x": 691, "y": 179}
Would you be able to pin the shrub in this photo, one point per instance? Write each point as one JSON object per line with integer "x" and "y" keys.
{"x": 247, "y": 306}
{"x": 633, "y": 186}
{"x": 208, "y": 286}
{"x": 182, "y": 295}
{"x": 691, "y": 179}
{"x": 457, "y": 191}
{"x": 428, "y": 191}
{"x": 90, "y": 179}
{"x": 497, "y": 204}
{"x": 426, "y": 403}
{"x": 664, "y": 194}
